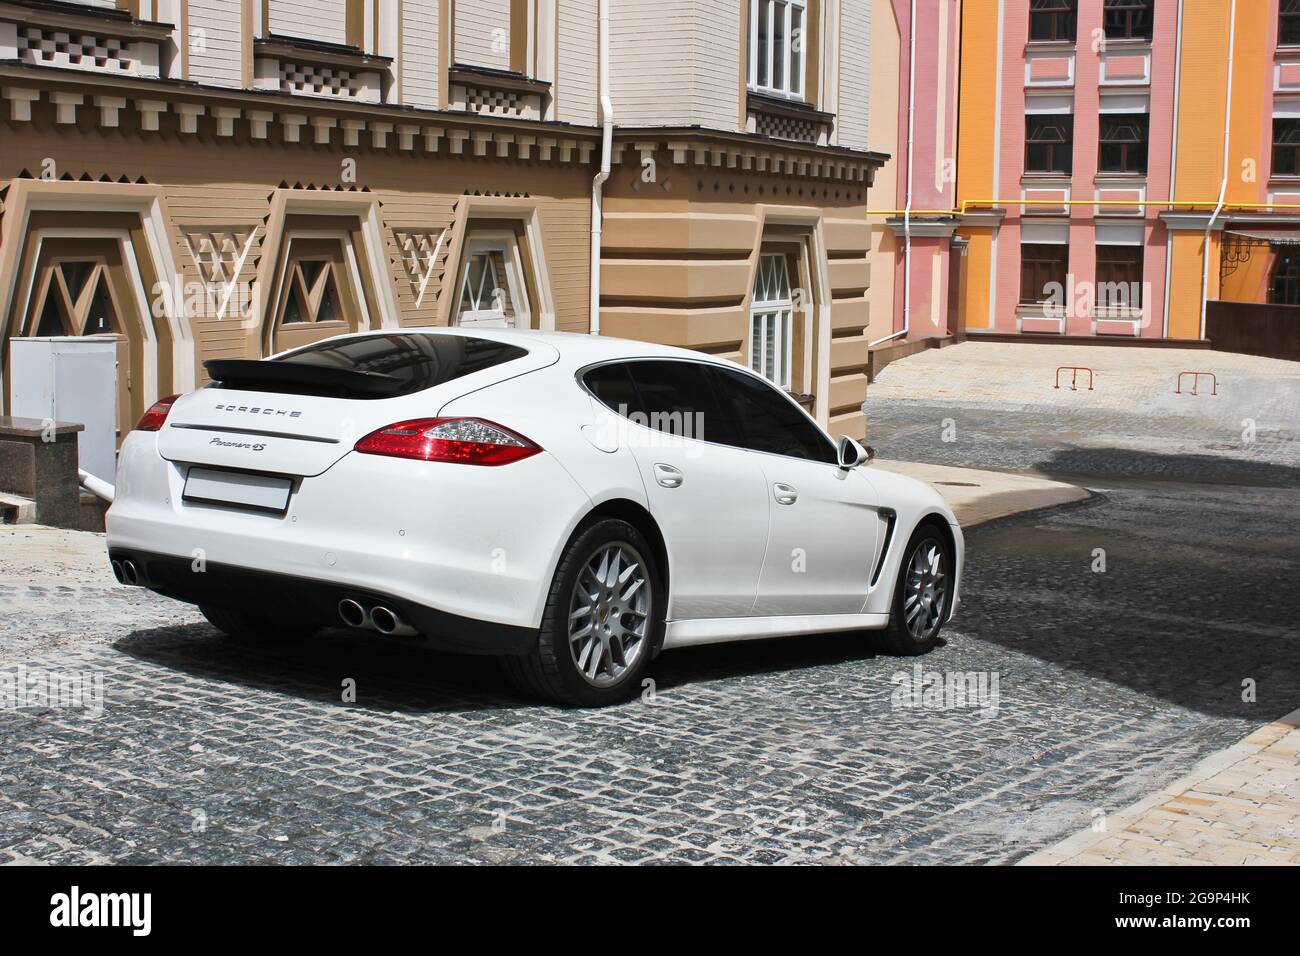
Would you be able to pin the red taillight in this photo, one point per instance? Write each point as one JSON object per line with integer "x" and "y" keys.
{"x": 153, "y": 419}
{"x": 466, "y": 441}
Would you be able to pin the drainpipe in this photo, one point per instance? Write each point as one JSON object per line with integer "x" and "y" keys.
{"x": 1223, "y": 185}
{"x": 606, "y": 151}
{"x": 907, "y": 204}
{"x": 96, "y": 486}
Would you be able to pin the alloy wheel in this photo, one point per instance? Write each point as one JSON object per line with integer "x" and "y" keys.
{"x": 925, "y": 594}
{"x": 609, "y": 615}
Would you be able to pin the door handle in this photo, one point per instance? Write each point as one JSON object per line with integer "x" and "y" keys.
{"x": 785, "y": 494}
{"x": 668, "y": 476}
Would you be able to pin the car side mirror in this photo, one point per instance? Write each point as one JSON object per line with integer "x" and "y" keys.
{"x": 851, "y": 454}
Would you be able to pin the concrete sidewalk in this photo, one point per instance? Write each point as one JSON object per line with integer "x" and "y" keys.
{"x": 977, "y": 496}
{"x": 1238, "y": 806}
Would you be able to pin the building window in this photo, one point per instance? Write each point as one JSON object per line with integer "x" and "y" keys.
{"x": 491, "y": 292}
{"x": 317, "y": 296}
{"x": 1123, "y": 143}
{"x": 1119, "y": 278}
{"x": 313, "y": 293}
{"x": 776, "y": 44}
{"x": 77, "y": 301}
{"x": 1128, "y": 19}
{"x": 1053, "y": 19}
{"x": 1286, "y": 146}
{"x": 1049, "y": 143}
{"x": 1284, "y": 286}
{"x": 1043, "y": 271}
{"x": 772, "y": 320}
{"x": 1288, "y": 23}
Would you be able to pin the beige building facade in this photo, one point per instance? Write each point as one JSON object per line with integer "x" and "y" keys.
{"x": 230, "y": 178}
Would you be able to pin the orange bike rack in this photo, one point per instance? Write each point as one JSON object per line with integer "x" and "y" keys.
{"x": 1196, "y": 377}
{"x": 1074, "y": 376}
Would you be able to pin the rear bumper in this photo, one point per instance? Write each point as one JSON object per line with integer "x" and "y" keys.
{"x": 311, "y": 601}
{"x": 472, "y": 544}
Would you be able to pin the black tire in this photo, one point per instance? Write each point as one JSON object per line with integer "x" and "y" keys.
{"x": 898, "y": 638}
{"x": 256, "y": 628}
{"x": 550, "y": 671}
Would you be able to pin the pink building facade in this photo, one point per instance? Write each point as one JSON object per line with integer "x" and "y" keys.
{"x": 911, "y": 269}
{"x": 1091, "y": 87}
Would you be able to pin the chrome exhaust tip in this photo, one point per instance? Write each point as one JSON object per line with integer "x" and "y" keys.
{"x": 129, "y": 574}
{"x": 384, "y": 620}
{"x": 117, "y": 571}
{"x": 351, "y": 613}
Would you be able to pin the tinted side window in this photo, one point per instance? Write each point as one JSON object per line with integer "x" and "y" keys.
{"x": 679, "y": 398}
{"x": 613, "y": 386}
{"x": 770, "y": 422}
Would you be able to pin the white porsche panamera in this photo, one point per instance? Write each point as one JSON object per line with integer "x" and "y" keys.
{"x": 573, "y": 504}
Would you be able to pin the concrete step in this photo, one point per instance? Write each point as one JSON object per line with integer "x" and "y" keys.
{"x": 15, "y": 509}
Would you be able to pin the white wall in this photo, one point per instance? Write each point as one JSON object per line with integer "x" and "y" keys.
{"x": 324, "y": 20}
{"x": 420, "y": 53}
{"x": 217, "y": 62}
{"x": 676, "y": 62}
{"x": 576, "y": 82}
{"x": 855, "y": 73}
{"x": 483, "y": 33}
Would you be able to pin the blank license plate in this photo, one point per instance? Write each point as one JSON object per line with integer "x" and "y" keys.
{"x": 264, "y": 492}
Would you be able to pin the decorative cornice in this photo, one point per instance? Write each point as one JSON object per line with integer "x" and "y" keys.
{"x": 749, "y": 153}
{"x": 306, "y": 122}
{"x": 501, "y": 79}
{"x": 334, "y": 54}
{"x": 925, "y": 226}
{"x": 758, "y": 102}
{"x": 81, "y": 16}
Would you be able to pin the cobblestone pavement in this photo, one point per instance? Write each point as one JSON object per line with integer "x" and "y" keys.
{"x": 1110, "y": 685}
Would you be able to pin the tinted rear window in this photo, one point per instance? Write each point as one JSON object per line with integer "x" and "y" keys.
{"x": 371, "y": 366}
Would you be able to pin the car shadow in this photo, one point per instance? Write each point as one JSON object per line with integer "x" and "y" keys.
{"x": 389, "y": 676}
{"x": 693, "y": 665}
{"x": 393, "y": 677}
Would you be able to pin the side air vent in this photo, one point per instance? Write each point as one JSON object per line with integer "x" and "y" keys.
{"x": 891, "y": 519}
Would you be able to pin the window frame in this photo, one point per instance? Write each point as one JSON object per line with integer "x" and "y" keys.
{"x": 1133, "y": 11}
{"x": 1056, "y": 13}
{"x": 1063, "y": 147}
{"x": 1064, "y": 266}
{"x": 1109, "y": 268}
{"x": 1129, "y": 149}
{"x": 485, "y": 243}
{"x": 1288, "y": 19}
{"x": 779, "y": 311}
{"x": 1291, "y": 278}
{"x": 1279, "y": 147}
{"x": 793, "y": 63}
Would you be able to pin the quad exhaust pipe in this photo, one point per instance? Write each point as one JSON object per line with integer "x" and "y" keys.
{"x": 376, "y": 618}
{"x": 126, "y": 573}
{"x": 351, "y": 613}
